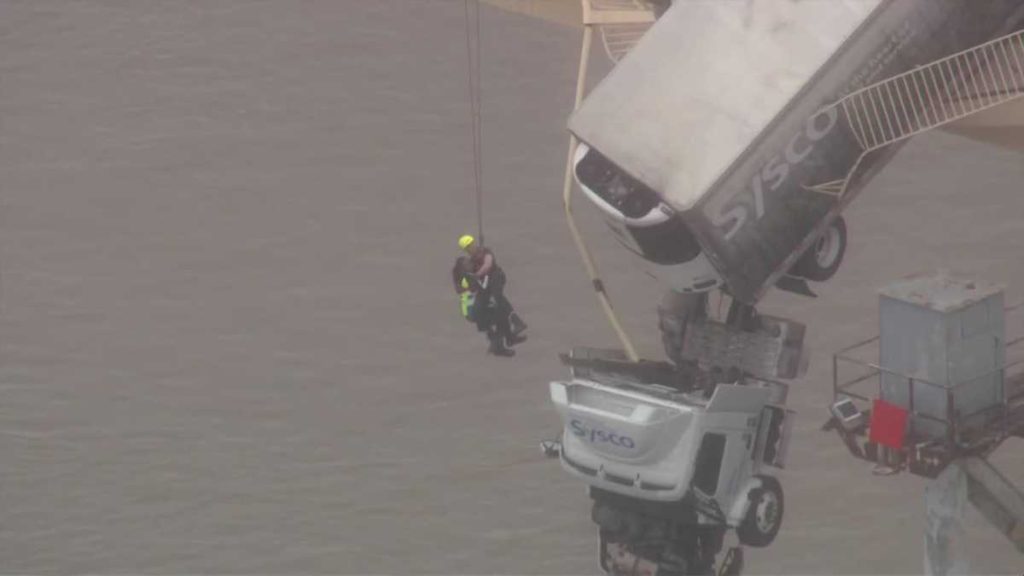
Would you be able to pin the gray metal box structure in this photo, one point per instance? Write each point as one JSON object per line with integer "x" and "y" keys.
{"x": 942, "y": 347}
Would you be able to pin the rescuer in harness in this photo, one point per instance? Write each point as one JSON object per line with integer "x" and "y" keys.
{"x": 480, "y": 283}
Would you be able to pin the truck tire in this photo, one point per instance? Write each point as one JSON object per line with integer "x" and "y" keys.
{"x": 764, "y": 516}
{"x": 822, "y": 259}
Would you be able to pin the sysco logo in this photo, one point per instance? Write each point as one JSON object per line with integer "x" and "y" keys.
{"x": 723, "y": 212}
{"x": 596, "y": 436}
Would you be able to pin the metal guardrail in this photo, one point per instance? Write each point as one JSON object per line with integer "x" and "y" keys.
{"x": 619, "y": 39}
{"x": 598, "y": 12}
{"x": 930, "y": 96}
{"x": 938, "y": 93}
{"x": 954, "y": 420}
{"x": 621, "y": 23}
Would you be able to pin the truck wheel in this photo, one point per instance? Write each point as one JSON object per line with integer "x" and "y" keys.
{"x": 764, "y": 516}
{"x": 822, "y": 259}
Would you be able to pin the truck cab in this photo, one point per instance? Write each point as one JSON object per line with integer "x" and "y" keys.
{"x": 664, "y": 454}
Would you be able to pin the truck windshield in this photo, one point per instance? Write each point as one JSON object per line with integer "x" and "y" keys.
{"x": 616, "y": 187}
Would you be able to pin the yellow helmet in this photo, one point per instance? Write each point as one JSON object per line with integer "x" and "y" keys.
{"x": 466, "y": 241}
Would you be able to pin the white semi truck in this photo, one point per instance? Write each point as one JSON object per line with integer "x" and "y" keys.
{"x": 726, "y": 144}
{"x": 722, "y": 150}
{"x": 674, "y": 462}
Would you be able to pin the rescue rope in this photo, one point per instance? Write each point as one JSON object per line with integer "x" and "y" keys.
{"x": 473, "y": 74}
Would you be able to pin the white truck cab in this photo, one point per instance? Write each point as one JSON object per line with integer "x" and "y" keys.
{"x": 665, "y": 455}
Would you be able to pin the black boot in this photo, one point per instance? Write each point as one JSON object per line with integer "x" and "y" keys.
{"x": 518, "y": 326}
{"x": 497, "y": 346}
{"x": 514, "y": 339}
{"x": 498, "y": 349}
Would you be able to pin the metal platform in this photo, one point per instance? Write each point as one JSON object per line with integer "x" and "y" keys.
{"x": 970, "y": 434}
{"x": 967, "y": 436}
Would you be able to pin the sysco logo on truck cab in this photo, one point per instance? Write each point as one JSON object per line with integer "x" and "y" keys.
{"x": 597, "y": 436}
{"x": 772, "y": 175}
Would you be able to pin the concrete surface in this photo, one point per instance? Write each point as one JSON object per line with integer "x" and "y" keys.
{"x": 227, "y": 338}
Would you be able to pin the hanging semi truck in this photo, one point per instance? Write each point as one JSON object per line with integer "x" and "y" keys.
{"x": 726, "y": 144}
{"x": 722, "y": 149}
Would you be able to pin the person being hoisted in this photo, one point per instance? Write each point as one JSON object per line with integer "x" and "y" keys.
{"x": 491, "y": 307}
{"x": 478, "y": 308}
